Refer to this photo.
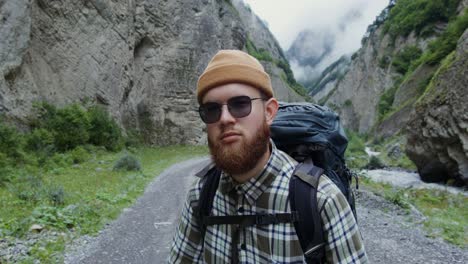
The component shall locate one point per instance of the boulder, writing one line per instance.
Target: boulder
(437, 132)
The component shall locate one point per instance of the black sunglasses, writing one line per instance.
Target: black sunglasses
(239, 106)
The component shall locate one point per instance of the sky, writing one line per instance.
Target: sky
(345, 20)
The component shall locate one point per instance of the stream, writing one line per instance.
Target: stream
(406, 179)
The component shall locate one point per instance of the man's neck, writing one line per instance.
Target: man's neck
(244, 177)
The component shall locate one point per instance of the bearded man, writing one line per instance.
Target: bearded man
(237, 105)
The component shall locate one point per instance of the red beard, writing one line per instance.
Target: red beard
(242, 157)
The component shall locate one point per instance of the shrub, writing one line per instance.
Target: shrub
(59, 160)
(375, 163)
(384, 61)
(355, 155)
(71, 127)
(133, 138)
(5, 169)
(28, 188)
(56, 195)
(386, 102)
(44, 115)
(355, 143)
(40, 140)
(348, 102)
(405, 57)
(128, 163)
(259, 54)
(79, 155)
(447, 42)
(104, 131)
(11, 142)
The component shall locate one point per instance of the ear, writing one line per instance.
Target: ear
(271, 108)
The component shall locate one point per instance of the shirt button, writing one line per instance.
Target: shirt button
(243, 247)
(241, 209)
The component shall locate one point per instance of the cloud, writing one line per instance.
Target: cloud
(287, 18)
(344, 21)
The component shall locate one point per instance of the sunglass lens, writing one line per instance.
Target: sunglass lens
(240, 106)
(210, 112)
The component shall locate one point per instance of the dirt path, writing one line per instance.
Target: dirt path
(143, 233)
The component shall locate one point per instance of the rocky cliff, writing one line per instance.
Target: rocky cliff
(357, 93)
(437, 130)
(139, 58)
(405, 80)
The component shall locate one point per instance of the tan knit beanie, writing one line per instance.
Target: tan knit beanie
(233, 66)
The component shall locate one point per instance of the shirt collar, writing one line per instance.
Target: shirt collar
(256, 186)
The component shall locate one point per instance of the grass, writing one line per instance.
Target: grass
(446, 213)
(94, 194)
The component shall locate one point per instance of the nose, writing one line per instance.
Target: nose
(226, 116)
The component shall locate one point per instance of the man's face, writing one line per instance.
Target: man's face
(237, 144)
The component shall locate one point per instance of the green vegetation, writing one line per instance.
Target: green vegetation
(66, 128)
(405, 57)
(264, 55)
(410, 58)
(42, 174)
(446, 214)
(325, 98)
(419, 16)
(391, 152)
(447, 42)
(384, 61)
(429, 92)
(375, 163)
(104, 131)
(355, 155)
(386, 101)
(441, 47)
(128, 163)
(259, 54)
(348, 103)
(54, 197)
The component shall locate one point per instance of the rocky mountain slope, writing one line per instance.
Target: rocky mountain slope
(140, 59)
(408, 64)
(437, 129)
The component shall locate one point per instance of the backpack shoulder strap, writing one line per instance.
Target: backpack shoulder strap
(303, 196)
(207, 193)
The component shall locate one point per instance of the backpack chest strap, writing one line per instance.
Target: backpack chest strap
(251, 220)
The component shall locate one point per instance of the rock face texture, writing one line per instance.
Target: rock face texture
(362, 85)
(356, 95)
(427, 105)
(438, 128)
(139, 58)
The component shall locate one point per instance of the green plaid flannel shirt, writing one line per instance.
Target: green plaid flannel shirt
(278, 243)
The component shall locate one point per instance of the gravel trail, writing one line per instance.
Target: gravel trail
(143, 232)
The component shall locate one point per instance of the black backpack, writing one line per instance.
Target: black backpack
(312, 135)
